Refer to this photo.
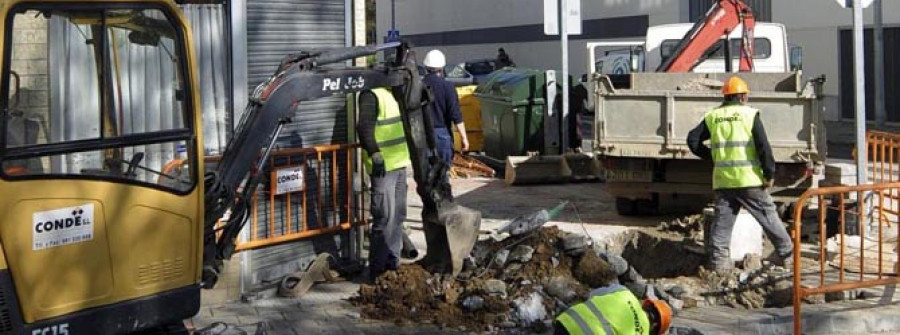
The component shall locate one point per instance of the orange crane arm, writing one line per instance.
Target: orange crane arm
(720, 20)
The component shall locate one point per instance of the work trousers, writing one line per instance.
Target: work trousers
(760, 205)
(388, 207)
(443, 141)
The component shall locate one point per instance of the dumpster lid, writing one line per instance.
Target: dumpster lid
(503, 82)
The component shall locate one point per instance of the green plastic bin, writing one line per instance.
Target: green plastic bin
(512, 110)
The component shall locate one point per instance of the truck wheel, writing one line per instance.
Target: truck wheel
(625, 206)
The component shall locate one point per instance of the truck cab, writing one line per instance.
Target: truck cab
(771, 52)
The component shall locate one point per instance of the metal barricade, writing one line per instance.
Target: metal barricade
(305, 192)
(848, 267)
(883, 154)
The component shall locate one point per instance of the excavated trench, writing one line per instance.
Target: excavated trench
(672, 263)
(659, 257)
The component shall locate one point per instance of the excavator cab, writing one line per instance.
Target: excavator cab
(95, 238)
(105, 225)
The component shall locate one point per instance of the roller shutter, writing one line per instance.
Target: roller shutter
(276, 28)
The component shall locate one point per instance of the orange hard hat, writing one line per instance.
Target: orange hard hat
(735, 85)
(663, 311)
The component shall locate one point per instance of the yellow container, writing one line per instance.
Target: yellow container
(471, 114)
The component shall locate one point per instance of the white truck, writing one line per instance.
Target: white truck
(642, 118)
(772, 53)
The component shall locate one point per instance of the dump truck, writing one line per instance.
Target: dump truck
(642, 119)
(641, 127)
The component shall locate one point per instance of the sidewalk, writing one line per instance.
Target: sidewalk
(325, 309)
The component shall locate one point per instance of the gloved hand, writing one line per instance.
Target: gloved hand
(377, 165)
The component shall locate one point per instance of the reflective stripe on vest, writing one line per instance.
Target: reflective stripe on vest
(733, 150)
(609, 310)
(389, 134)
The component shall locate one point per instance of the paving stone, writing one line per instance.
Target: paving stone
(281, 325)
(275, 310)
(200, 322)
(253, 319)
(205, 312)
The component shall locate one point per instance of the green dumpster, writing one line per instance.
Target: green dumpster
(512, 111)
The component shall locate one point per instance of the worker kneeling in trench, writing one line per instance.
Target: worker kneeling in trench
(615, 310)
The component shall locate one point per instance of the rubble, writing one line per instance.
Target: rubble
(562, 288)
(530, 310)
(617, 264)
(495, 287)
(752, 262)
(473, 303)
(523, 290)
(521, 254)
(574, 244)
(521, 282)
(500, 259)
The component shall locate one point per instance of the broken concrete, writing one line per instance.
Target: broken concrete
(537, 282)
(521, 254)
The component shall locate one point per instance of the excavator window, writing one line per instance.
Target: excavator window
(96, 93)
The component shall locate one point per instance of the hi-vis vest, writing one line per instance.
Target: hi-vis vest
(389, 133)
(733, 150)
(611, 310)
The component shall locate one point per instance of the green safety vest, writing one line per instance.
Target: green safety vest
(611, 310)
(389, 133)
(733, 150)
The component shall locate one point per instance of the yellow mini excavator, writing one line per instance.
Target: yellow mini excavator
(98, 234)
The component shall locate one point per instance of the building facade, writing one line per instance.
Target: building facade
(472, 29)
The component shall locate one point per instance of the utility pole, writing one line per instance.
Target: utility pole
(862, 161)
(878, 65)
(860, 96)
(564, 79)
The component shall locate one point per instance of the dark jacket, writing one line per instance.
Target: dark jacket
(368, 118)
(701, 133)
(445, 108)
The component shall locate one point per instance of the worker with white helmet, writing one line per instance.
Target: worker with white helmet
(445, 111)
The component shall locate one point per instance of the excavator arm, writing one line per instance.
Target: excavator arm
(721, 19)
(301, 77)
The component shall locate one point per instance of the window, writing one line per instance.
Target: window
(762, 48)
(96, 93)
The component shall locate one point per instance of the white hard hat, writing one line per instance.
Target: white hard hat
(435, 59)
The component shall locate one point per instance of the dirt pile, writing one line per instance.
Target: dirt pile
(514, 284)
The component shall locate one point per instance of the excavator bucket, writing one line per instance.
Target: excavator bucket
(536, 169)
(451, 234)
(551, 169)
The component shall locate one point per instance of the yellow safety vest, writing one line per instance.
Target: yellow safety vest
(389, 133)
(611, 310)
(733, 150)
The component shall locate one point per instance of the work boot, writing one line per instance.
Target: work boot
(785, 261)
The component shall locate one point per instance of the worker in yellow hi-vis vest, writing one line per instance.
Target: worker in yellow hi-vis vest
(386, 158)
(743, 171)
(614, 310)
